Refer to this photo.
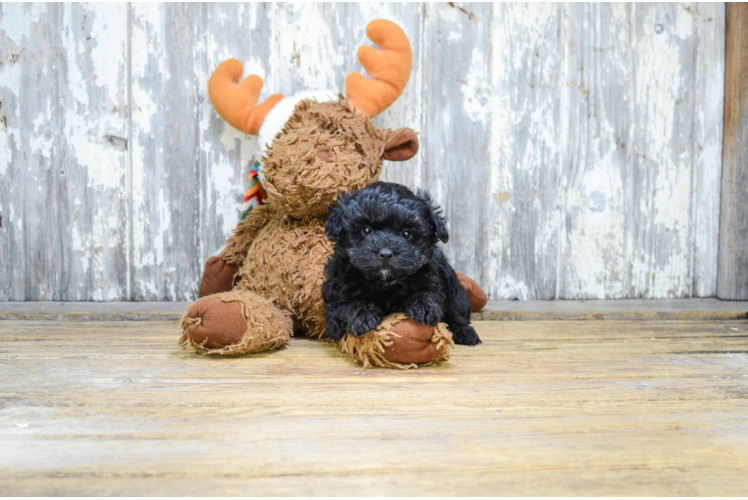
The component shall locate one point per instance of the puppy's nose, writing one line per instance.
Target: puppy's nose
(385, 253)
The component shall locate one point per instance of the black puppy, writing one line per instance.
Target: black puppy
(386, 261)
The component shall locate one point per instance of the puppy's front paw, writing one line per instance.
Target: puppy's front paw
(364, 320)
(464, 335)
(425, 311)
(334, 332)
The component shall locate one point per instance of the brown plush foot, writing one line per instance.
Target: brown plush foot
(219, 323)
(235, 322)
(219, 276)
(413, 345)
(399, 342)
(475, 293)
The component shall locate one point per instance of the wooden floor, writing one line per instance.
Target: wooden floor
(556, 407)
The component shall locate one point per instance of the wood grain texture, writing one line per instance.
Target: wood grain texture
(640, 174)
(92, 162)
(523, 207)
(456, 126)
(576, 148)
(245, 32)
(709, 78)
(540, 408)
(733, 235)
(30, 266)
(63, 143)
(165, 180)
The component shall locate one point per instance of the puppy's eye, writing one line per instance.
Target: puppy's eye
(366, 231)
(406, 234)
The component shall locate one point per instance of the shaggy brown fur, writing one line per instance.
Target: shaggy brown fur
(280, 248)
(297, 182)
(239, 242)
(396, 339)
(256, 326)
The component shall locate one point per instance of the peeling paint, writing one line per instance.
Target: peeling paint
(6, 153)
(607, 188)
(474, 92)
(21, 17)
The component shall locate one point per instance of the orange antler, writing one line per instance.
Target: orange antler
(236, 101)
(389, 69)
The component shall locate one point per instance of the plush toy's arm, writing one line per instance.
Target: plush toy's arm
(220, 271)
(239, 242)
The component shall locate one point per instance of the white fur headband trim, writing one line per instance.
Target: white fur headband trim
(277, 117)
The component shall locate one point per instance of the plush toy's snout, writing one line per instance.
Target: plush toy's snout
(325, 154)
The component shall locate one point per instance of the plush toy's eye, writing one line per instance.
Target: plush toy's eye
(407, 234)
(366, 231)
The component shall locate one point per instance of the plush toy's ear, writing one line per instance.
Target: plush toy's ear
(436, 216)
(402, 146)
(334, 224)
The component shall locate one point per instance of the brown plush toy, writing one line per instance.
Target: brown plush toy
(267, 282)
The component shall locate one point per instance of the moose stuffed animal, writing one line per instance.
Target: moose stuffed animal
(266, 283)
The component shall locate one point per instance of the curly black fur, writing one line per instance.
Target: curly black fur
(386, 261)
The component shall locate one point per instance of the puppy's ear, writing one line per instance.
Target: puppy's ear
(436, 216)
(334, 224)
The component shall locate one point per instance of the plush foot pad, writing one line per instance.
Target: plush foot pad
(399, 342)
(214, 324)
(234, 323)
(475, 293)
(219, 276)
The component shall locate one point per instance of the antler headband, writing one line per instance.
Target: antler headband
(388, 68)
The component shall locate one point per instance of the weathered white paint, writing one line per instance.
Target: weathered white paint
(634, 100)
(524, 201)
(707, 147)
(575, 148)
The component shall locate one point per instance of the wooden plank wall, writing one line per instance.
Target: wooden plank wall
(575, 148)
(733, 236)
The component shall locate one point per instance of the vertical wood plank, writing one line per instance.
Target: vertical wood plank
(732, 283)
(29, 143)
(524, 198)
(244, 32)
(597, 94)
(635, 177)
(309, 54)
(69, 100)
(661, 185)
(165, 181)
(456, 125)
(92, 159)
(14, 36)
(709, 95)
